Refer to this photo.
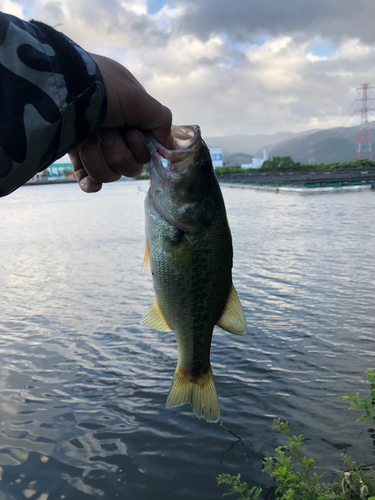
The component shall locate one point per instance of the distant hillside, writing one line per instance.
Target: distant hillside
(248, 144)
(331, 145)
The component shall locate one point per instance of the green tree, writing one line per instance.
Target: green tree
(280, 164)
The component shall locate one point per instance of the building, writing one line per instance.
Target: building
(257, 162)
(54, 171)
(216, 157)
(57, 170)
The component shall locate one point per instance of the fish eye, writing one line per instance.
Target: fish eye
(204, 168)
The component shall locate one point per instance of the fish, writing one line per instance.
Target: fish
(189, 248)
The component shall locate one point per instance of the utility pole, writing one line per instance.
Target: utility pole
(364, 143)
(311, 150)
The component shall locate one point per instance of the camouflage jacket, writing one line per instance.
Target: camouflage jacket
(52, 98)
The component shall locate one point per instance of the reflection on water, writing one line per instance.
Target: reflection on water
(83, 385)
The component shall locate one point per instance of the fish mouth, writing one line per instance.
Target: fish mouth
(176, 191)
(187, 140)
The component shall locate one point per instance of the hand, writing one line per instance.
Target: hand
(118, 147)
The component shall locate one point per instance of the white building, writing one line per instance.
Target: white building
(257, 162)
(216, 157)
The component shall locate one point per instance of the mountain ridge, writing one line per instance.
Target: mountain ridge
(336, 144)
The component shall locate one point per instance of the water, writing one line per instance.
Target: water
(83, 385)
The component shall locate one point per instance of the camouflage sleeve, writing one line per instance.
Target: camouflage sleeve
(53, 97)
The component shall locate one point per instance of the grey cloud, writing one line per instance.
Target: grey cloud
(244, 19)
(53, 10)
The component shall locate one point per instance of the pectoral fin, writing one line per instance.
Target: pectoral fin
(154, 318)
(233, 319)
(146, 260)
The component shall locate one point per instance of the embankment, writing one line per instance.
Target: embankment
(305, 181)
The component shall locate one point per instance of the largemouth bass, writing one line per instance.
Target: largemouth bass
(189, 247)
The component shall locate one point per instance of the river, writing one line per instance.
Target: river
(83, 385)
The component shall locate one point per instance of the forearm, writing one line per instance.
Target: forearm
(52, 98)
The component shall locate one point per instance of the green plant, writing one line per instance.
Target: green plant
(300, 484)
(142, 177)
(236, 486)
(355, 482)
(294, 473)
(281, 164)
(297, 479)
(367, 403)
(231, 170)
(293, 484)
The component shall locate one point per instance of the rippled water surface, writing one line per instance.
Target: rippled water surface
(83, 386)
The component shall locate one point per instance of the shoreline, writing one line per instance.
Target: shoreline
(338, 187)
(301, 189)
(57, 181)
(65, 181)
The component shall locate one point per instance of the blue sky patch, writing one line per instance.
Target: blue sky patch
(323, 48)
(153, 6)
(259, 40)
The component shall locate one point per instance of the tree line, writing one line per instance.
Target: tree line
(286, 164)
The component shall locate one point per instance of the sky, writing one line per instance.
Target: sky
(233, 66)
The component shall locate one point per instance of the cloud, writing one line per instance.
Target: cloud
(270, 88)
(243, 66)
(11, 7)
(325, 18)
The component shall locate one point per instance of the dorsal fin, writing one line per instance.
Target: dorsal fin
(154, 318)
(146, 259)
(233, 318)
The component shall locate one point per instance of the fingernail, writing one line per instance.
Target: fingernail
(89, 186)
(83, 184)
(107, 136)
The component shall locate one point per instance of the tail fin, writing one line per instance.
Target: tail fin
(201, 393)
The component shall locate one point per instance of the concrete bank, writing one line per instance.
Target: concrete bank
(300, 189)
(304, 182)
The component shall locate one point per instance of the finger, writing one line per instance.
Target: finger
(95, 163)
(119, 156)
(136, 142)
(160, 124)
(89, 186)
(85, 183)
(162, 132)
(146, 113)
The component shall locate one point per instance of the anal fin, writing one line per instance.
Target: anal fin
(233, 318)
(154, 318)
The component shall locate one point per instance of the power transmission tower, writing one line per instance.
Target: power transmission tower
(364, 143)
(311, 150)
